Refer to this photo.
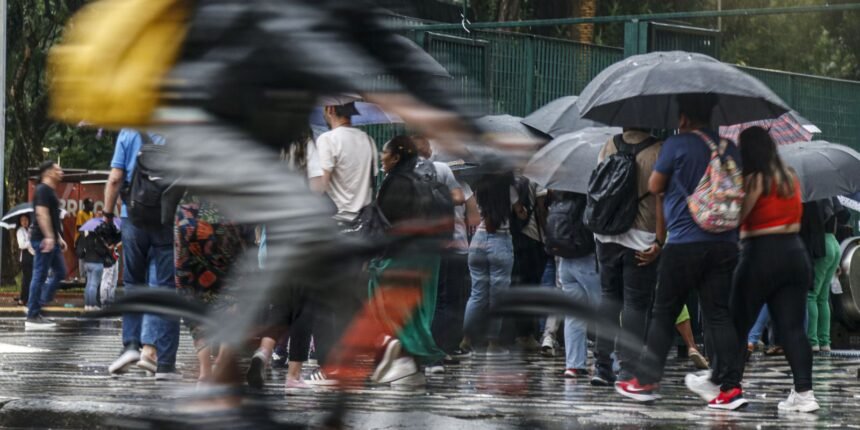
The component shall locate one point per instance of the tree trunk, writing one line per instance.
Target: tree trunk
(509, 10)
(584, 33)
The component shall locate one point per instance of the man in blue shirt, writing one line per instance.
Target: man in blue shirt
(692, 258)
(142, 248)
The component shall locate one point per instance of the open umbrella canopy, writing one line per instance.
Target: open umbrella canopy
(789, 128)
(92, 224)
(640, 91)
(368, 114)
(558, 117)
(11, 216)
(825, 169)
(566, 163)
(507, 125)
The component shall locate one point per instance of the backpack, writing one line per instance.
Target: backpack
(566, 235)
(433, 203)
(143, 196)
(613, 190)
(112, 58)
(717, 203)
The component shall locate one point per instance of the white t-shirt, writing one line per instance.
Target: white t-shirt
(461, 232)
(350, 155)
(314, 167)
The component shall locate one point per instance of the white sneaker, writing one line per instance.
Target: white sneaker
(400, 368)
(799, 402)
(392, 351)
(815, 348)
(702, 385)
(125, 360)
(547, 346)
(434, 369)
(168, 376)
(39, 323)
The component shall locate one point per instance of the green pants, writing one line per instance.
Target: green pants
(415, 336)
(818, 300)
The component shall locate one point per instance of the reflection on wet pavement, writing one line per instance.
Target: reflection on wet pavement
(70, 364)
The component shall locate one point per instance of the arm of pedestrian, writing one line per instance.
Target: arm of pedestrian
(521, 211)
(661, 220)
(325, 180)
(657, 183)
(473, 215)
(754, 186)
(114, 183)
(43, 219)
(457, 196)
(316, 185)
(63, 245)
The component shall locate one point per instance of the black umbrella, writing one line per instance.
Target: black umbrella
(640, 91)
(566, 163)
(825, 169)
(10, 219)
(558, 117)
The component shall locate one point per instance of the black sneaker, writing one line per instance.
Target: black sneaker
(279, 360)
(450, 361)
(257, 371)
(461, 353)
(602, 377)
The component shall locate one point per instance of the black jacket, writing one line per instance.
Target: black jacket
(396, 196)
(91, 248)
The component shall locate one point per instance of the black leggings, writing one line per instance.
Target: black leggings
(776, 270)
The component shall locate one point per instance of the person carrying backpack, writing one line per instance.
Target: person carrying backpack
(409, 201)
(701, 250)
(628, 269)
(149, 341)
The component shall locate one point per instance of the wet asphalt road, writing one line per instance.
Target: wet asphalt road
(69, 367)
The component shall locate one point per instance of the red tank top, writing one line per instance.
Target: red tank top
(774, 211)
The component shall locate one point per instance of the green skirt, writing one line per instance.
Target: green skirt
(415, 335)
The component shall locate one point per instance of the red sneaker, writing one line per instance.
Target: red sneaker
(633, 390)
(729, 400)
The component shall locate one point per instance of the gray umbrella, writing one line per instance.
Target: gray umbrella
(566, 163)
(558, 117)
(825, 169)
(507, 124)
(640, 91)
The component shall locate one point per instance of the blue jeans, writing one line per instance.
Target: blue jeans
(94, 281)
(758, 327)
(579, 280)
(491, 261)
(141, 249)
(42, 292)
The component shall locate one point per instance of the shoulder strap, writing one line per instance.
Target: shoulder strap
(710, 142)
(645, 144)
(620, 145)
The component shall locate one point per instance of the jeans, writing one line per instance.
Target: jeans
(627, 291)
(141, 248)
(776, 270)
(818, 300)
(451, 301)
(94, 279)
(758, 328)
(42, 289)
(580, 280)
(707, 266)
(491, 260)
(549, 325)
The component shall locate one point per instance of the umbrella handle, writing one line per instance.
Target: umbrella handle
(465, 21)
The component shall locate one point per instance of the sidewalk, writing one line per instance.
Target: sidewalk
(59, 378)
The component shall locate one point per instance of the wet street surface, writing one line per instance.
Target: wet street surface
(68, 366)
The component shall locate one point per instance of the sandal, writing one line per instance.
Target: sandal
(698, 359)
(775, 350)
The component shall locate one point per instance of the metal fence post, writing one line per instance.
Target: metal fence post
(530, 74)
(635, 38)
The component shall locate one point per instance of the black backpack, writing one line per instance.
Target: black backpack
(433, 203)
(613, 190)
(149, 182)
(565, 234)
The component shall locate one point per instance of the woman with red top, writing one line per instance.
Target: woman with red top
(774, 267)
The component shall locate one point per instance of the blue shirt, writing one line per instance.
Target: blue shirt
(125, 154)
(684, 159)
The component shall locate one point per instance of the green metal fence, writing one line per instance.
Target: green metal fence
(516, 73)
